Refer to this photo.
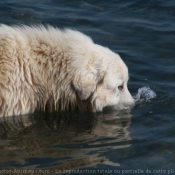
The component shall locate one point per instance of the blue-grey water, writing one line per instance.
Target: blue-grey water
(112, 142)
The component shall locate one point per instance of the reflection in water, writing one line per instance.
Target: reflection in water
(64, 140)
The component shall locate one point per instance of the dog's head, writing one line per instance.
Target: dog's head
(102, 80)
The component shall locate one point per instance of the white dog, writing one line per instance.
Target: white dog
(47, 68)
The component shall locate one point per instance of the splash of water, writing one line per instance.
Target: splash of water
(144, 94)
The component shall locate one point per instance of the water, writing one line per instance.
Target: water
(144, 94)
(137, 142)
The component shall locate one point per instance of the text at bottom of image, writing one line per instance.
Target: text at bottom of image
(87, 171)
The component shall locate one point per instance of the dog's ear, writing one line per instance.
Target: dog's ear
(85, 83)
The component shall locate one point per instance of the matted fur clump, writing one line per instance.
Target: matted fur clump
(47, 68)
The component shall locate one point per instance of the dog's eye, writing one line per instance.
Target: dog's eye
(120, 87)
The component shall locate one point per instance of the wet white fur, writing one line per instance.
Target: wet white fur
(47, 68)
